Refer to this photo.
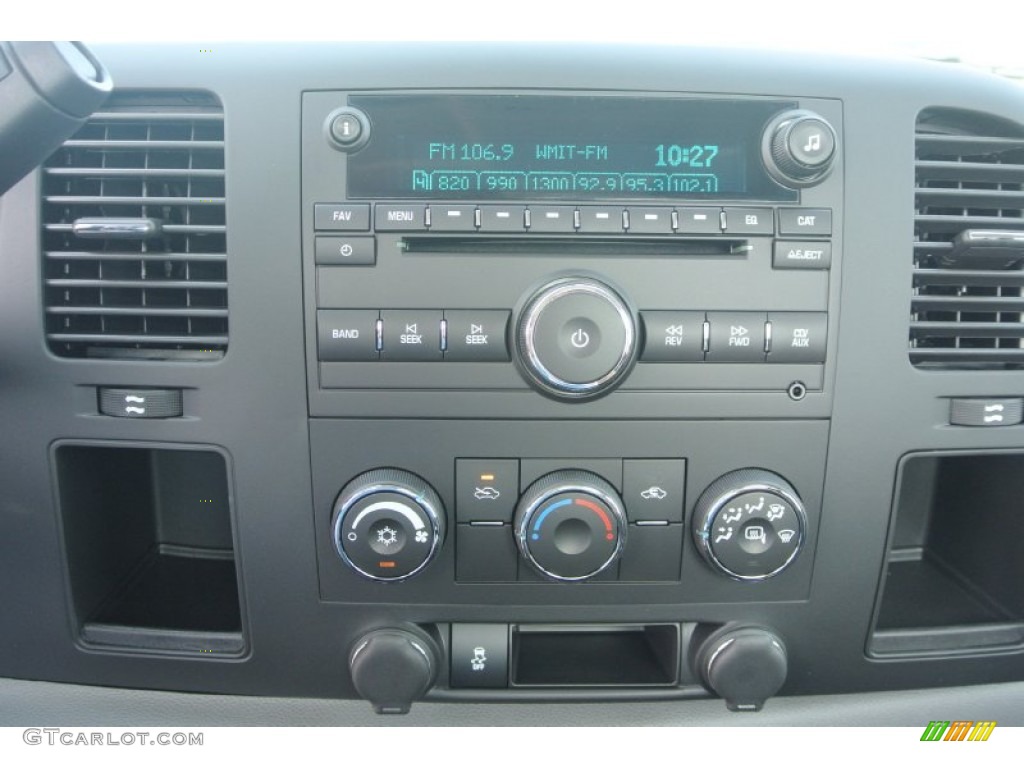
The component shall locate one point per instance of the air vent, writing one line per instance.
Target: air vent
(968, 242)
(134, 242)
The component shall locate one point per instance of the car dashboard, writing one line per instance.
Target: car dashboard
(619, 378)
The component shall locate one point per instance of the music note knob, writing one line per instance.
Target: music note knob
(799, 148)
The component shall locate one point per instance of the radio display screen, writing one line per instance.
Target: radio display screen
(477, 147)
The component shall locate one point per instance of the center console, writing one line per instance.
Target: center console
(596, 332)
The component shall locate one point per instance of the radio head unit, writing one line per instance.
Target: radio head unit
(501, 254)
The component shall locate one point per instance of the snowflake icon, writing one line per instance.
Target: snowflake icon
(387, 536)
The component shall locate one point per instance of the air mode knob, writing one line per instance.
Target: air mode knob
(388, 524)
(576, 338)
(570, 525)
(749, 524)
(799, 148)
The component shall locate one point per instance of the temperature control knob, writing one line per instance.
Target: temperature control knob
(576, 338)
(799, 148)
(388, 524)
(750, 524)
(570, 525)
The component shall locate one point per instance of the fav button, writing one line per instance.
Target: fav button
(338, 216)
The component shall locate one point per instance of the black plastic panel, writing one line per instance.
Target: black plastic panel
(293, 430)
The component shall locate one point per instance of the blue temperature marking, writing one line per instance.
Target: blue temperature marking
(546, 511)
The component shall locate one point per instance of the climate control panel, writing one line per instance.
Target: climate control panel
(569, 525)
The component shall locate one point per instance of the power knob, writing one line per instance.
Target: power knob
(576, 338)
(388, 524)
(799, 148)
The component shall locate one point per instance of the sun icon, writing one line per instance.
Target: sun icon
(387, 536)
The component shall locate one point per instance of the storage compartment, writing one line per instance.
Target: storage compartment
(954, 578)
(149, 546)
(631, 655)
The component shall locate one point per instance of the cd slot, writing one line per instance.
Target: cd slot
(577, 245)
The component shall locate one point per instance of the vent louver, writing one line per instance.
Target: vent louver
(967, 302)
(134, 241)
